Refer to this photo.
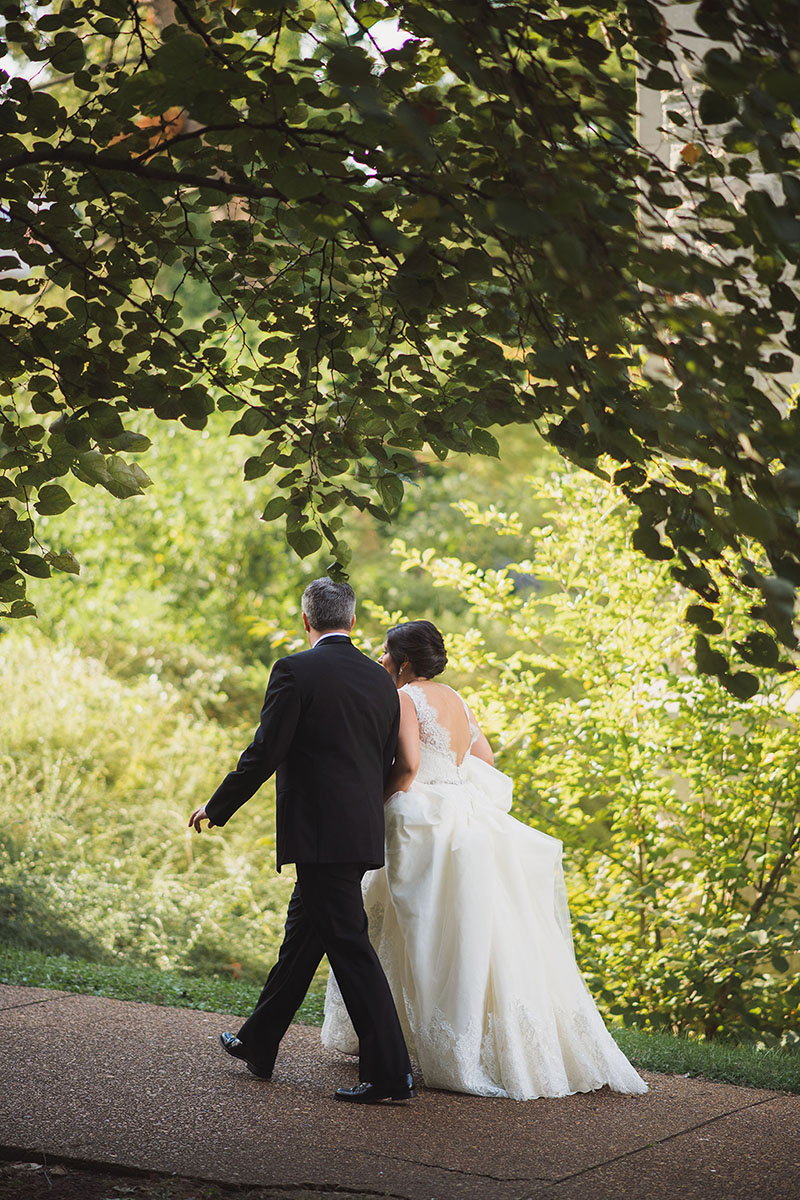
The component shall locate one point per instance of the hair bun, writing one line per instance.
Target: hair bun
(419, 642)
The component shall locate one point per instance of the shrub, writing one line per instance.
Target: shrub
(99, 776)
(678, 804)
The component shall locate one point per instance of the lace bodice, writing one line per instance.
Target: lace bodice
(438, 762)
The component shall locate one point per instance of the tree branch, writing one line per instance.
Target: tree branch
(132, 166)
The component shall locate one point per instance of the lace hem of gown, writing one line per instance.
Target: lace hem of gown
(471, 924)
(507, 1056)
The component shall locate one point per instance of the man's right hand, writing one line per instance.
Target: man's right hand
(198, 816)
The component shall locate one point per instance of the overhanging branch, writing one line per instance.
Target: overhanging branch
(131, 166)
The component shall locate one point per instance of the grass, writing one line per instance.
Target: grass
(773, 1068)
(120, 981)
(747, 1066)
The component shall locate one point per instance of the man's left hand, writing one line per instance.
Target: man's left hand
(198, 816)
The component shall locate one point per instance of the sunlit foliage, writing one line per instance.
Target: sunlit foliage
(679, 805)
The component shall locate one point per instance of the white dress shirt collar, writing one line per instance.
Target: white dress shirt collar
(335, 633)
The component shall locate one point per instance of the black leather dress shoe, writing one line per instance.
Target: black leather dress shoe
(373, 1093)
(231, 1045)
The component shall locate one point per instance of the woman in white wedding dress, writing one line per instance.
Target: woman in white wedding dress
(469, 916)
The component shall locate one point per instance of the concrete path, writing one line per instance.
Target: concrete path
(108, 1082)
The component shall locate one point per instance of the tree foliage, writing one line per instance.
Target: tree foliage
(189, 584)
(402, 242)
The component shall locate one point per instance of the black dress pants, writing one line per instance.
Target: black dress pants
(326, 917)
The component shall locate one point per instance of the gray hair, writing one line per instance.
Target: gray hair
(329, 605)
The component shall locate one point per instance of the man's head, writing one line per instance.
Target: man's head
(328, 605)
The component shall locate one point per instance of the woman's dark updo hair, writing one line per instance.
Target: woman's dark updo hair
(421, 643)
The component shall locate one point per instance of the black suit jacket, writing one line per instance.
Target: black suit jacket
(329, 729)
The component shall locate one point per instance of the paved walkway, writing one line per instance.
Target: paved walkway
(113, 1083)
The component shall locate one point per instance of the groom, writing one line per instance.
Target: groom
(329, 728)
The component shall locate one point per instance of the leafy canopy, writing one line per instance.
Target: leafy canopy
(398, 242)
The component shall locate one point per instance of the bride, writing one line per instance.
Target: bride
(469, 916)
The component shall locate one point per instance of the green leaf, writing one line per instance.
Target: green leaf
(254, 468)
(304, 540)
(53, 499)
(67, 54)
(759, 649)
(64, 561)
(104, 421)
(485, 443)
(517, 218)
(91, 468)
(21, 608)
(296, 185)
(253, 421)
(349, 65)
(9, 488)
(125, 479)
(277, 506)
(752, 519)
(33, 564)
(567, 254)
(779, 594)
(741, 684)
(709, 662)
(390, 488)
(646, 540)
(133, 443)
(337, 572)
(659, 80)
(703, 617)
(370, 11)
(698, 578)
(716, 109)
(664, 199)
(44, 404)
(12, 585)
(15, 532)
(182, 54)
(778, 608)
(633, 475)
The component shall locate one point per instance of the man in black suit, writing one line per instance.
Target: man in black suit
(329, 728)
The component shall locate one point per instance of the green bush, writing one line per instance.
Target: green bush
(99, 777)
(679, 805)
(186, 564)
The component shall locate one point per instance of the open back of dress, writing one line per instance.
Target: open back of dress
(446, 727)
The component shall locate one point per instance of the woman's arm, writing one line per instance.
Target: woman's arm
(406, 759)
(480, 747)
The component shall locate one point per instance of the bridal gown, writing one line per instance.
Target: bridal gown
(470, 921)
